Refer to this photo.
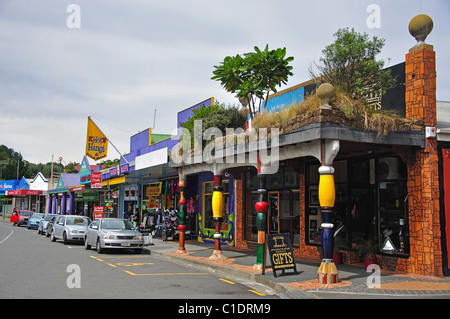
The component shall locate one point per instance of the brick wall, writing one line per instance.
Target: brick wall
(423, 180)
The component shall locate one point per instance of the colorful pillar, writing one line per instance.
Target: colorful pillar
(63, 204)
(55, 203)
(262, 206)
(181, 215)
(70, 203)
(217, 208)
(327, 273)
(49, 204)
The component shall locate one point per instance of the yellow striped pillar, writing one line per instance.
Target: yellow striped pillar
(217, 208)
(327, 273)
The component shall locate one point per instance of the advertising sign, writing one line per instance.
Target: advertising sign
(96, 180)
(96, 142)
(281, 253)
(98, 212)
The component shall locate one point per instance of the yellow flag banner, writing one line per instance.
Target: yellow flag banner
(96, 142)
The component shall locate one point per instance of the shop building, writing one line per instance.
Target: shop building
(385, 188)
(28, 194)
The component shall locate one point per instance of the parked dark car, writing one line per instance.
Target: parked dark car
(42, 228)
(49, 227)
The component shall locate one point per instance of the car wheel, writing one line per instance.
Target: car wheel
(52, 236)
(98, 247)
(86, 245)
(65, 238)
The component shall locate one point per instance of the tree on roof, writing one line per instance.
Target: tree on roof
(350, 64)
(254, 75)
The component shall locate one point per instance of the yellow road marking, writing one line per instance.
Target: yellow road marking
(255, 292)
(167, 274)
(230, 282)
(130, 264)
(112, 265)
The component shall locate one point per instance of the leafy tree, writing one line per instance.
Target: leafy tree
(254, 75)
(216, 116)
(350, 64)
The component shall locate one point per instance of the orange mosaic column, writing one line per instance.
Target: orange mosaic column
(423, 181)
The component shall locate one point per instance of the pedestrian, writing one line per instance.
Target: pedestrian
(137, 218)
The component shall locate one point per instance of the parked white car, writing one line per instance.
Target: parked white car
(69, 228)
(113, 233)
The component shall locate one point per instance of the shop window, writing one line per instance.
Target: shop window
(208, 222)
(284, 204)
(371, 203)
(393, 210)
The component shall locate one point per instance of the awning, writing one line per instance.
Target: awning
(114, 181)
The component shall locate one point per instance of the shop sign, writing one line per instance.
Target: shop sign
(98, 212)
(124, 168)
(96, 180)
(84, 179)
(109, 205)
(113, 172)
(280, 252)
(77, 188)
(87, 197)
(153, 190)
(23, 192)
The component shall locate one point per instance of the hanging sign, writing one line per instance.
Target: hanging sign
(96, 142)
(280, 252)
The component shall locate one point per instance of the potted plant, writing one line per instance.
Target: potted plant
(368, 249)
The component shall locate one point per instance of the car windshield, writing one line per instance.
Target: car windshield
(37, 215)
(25, 213)
(48, 217)
(116, 224)
(79, 221)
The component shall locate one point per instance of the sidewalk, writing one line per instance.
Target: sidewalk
(354, 281)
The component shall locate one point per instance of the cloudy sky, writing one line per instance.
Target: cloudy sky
(130, 57)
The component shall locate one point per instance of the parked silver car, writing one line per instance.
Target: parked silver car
(113, 233)
(69, 228)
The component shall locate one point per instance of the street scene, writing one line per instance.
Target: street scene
(79, 273)
(228, 157)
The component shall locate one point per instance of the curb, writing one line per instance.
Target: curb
(226, 271)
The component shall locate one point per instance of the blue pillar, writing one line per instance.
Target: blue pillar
(55, 203)
(71, 203)
(63, 204)
(49, 209)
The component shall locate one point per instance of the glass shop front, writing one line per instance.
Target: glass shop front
(371, 203)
